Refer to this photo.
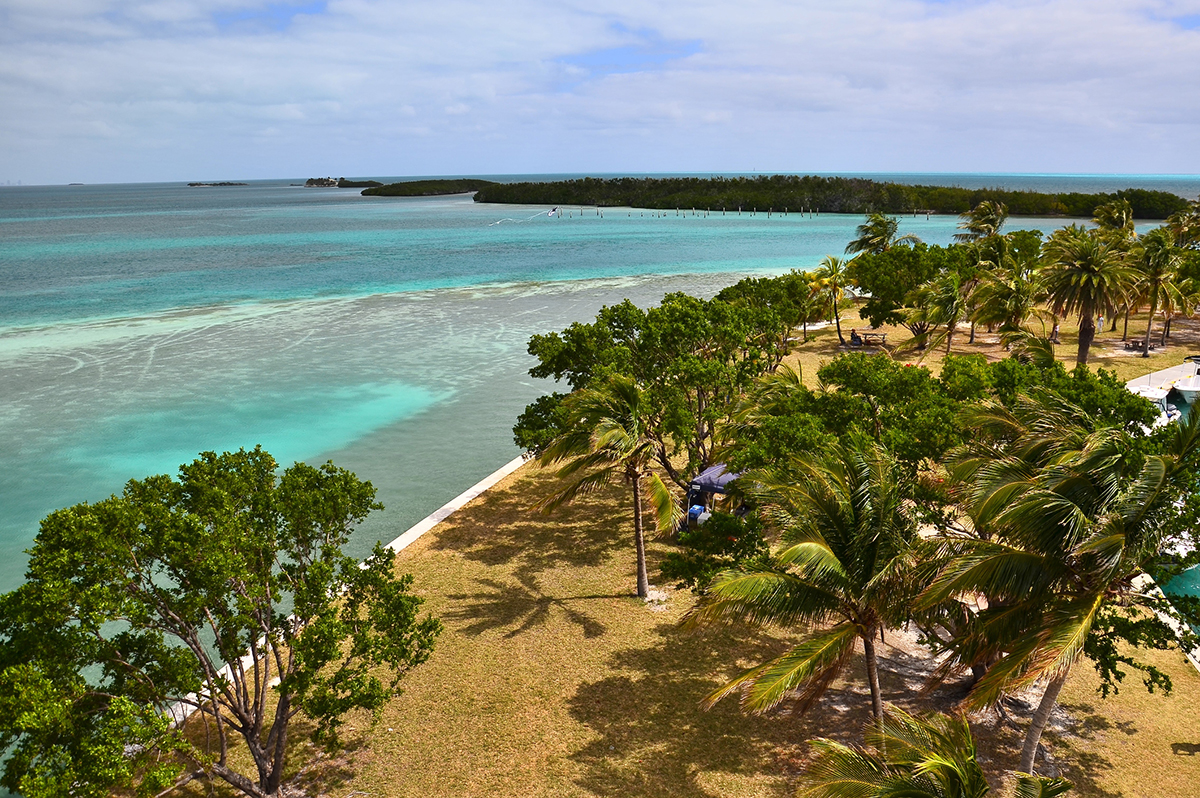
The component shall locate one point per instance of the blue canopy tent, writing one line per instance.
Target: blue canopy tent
(712, 481)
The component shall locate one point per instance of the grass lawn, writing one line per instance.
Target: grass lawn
(552, 679)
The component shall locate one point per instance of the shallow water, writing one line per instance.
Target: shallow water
(140, 325)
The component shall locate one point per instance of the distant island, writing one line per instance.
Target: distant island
(796, 193)
(429, 188)
(209, 185)
(341, 182)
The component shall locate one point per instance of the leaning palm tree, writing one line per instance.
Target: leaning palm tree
(938, 303)
(878, 234)
(1085, 274)
(981, 222)
(1115, 218)
(607, 438)
(832, 279)
(1157, 261)
(1073, 515)
(911, 757)
(1185, 226)
(847, 534)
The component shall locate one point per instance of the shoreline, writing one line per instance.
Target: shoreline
(414, 532)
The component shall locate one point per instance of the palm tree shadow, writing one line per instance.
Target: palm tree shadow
(518, 607)
(503, 528)
(653, 738)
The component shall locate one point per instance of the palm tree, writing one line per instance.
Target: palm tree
(1185, 226)
(847, 533)
(1086, 274)
(878, 234)
(982, 221)
(913, 757)
(1116, 218)
(1070, 516)
(940, 302)
(1009, 293)
(1157, 261)
(832, 278)
(607, 437)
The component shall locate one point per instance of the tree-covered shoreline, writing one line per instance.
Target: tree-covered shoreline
(810, 192)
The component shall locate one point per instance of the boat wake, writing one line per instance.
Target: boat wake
(523, 221)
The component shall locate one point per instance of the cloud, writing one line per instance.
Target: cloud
(99, 90)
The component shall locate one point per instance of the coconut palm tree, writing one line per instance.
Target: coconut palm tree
(1116, 218)
(1009, 293)
(982, 221)
(832, 279)
(940, 302)
(1157, 261)
(1185, 226)
(1085, 274)
(910, 756)
(878, 234)
(607, 438)
(847, 534)
(1072, 516)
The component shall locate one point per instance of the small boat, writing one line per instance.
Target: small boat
(1167, 412)
(1189, 387)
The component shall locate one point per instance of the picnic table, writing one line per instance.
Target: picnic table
(868, 339)
(1138, 346)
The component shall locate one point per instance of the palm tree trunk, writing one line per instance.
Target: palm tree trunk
(873, 674)
(1150, 324)
(1038, 724)
(1087, 333)
(837, 321)
(643, 581)
(1125, 332)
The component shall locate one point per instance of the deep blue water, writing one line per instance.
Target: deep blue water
(141, 324)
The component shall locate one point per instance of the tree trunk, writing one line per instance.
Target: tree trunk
(949, 336)
(643, 581)
(873, 674)
(971, 340)
(1150, 324)
(1087, 333)
(1125, 332)
(837, 321)
(1038, 724)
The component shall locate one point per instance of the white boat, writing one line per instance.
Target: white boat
(1158, 397)
(1189, 387)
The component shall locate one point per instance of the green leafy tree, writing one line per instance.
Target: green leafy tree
(878, 234)
(223, 596)
(606, 439)
(889, 277)
(1115, 217)
(1088, 275)
(1068, 516)
(847, 531)
(913, 757)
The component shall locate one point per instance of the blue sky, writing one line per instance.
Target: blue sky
(144, 90)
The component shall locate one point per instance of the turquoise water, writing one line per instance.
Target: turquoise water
(142, 324)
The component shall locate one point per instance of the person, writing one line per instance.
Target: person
(855, 338)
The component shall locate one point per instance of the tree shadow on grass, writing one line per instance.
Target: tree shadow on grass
(653, 738)
(519, 606)
(503, 528)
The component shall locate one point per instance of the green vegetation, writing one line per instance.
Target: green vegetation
(828, 194)
(132, 606)
(428, 188)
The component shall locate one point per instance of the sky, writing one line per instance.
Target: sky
(160, 90)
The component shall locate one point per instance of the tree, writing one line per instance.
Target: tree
(1069, 514)
(1085, 274)
(832, 279)
(939, 302)
(1157, 260)
(910, 756)
(1010, 291)
(847, 530)
(981, 222)
(607, 438)
(878, 234)
(888, 278)
(1115, 217)
(222, 595)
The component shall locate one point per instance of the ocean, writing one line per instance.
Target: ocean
(142, 324)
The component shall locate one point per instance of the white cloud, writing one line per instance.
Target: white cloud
(89, 86)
